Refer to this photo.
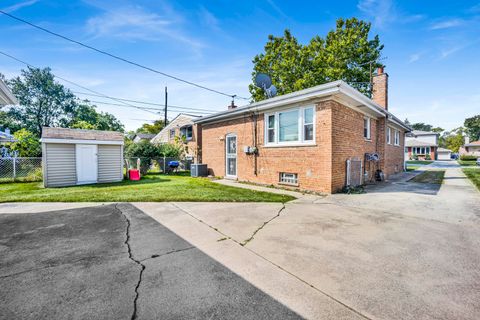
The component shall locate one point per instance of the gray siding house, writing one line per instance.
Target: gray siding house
(74, 157)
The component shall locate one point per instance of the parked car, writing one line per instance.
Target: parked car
(454, 156)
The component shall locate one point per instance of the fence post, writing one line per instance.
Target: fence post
(14, 168)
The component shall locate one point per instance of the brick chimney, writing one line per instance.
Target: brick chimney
(232, 106)
(380, 88)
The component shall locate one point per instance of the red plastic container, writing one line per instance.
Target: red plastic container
(134, 174)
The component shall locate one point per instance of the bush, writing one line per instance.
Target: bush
(427, 157)
(466, 157)
(147, 152)
(415, 157)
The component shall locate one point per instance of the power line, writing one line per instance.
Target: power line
(146, 103)
(77, 85)
(233, 96)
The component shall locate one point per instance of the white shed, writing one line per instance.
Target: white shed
(444, 154)
(74, 156)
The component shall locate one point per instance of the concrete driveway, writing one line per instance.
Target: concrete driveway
(401, 251)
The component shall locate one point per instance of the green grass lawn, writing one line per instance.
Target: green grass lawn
(419, 162)
(412, 168)
(474, 175)
(469, 163)
(156, 187)
(431, 176)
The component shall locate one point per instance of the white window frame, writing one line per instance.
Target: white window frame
(282, 178)
(397, 137)
(389, 135)
(185, 128)
(301, 128)
(369, 128)
(170, 136)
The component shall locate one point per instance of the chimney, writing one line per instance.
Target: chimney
(380, 88)
(232, 106)
(467, 139)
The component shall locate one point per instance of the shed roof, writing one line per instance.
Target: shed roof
(145, 135)
(473, 144)
(80, 134)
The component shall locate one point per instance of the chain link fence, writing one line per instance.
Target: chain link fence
(156, 165)
(20, 169)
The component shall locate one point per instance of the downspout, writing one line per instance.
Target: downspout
(255, 154)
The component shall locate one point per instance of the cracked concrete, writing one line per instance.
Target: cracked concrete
(245, 242)
(88, 267)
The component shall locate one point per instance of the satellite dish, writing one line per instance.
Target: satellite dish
(272, 91)
(263, 81)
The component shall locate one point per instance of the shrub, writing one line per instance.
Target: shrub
(466, 157)
(427, 157)
(415, 157)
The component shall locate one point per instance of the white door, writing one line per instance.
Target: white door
(86, 155)
(231, 156)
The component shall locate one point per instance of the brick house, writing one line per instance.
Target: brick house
(304, 139)
(422, 145)
(470, 148)
(182, 128)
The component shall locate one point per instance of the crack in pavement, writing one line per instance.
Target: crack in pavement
(245, 242)
(130, 256)
(153, 256)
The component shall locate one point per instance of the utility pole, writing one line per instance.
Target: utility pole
(166, 101)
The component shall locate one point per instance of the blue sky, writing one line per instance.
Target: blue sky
(432, 48)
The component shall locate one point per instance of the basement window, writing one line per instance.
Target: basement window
(289, 178)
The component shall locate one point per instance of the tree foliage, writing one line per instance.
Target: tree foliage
(472, 127)
(344, 54)
(27, 144)
(155, 128)
(148, 150)
(426, 127)
(43, 102)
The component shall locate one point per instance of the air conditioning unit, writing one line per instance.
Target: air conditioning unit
(198, 170)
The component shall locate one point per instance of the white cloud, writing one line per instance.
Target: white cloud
(384, 12)
(277, 9)
(20, 5)
(414, 57)
(135, 23)
(445, 24)
(209, 19)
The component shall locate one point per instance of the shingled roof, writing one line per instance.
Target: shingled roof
(80, 134)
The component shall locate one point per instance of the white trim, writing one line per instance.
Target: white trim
(396, 133)
(231, 135)
(389, 135)
(77, 164)
(301, 126)
(78, 141)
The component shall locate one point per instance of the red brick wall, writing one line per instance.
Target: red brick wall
(348, 141)
(395, 155)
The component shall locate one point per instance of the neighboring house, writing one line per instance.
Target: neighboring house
(143, 137)
(6, 96)
(5, 136)
(304, 139)
(75, 156)
(470, 148)
(420, 144)
(182, 129)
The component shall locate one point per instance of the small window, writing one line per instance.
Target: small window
(172, 133)
(397, 137)
(289, 178)
(308, 124)
(389, 136)
(366, 128)
(271, 128)
(187, 132)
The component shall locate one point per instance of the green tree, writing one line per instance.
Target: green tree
(454, 141)
(155, 128)
(426, 127)
(85, 116)
(344, 54)
(43, 101)
(472, 127)
(27, 144)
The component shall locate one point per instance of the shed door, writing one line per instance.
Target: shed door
(86, 155)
